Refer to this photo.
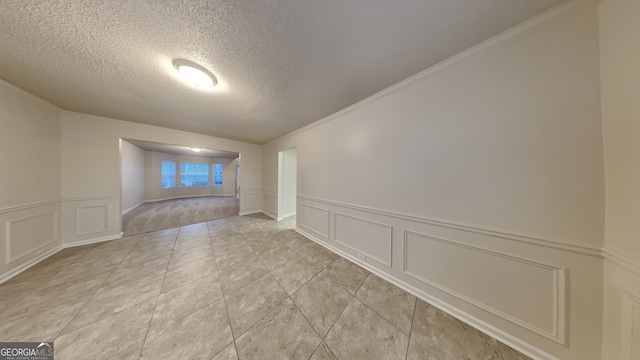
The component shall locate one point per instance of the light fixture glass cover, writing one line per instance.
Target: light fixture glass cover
(195, 149)
(194, 73)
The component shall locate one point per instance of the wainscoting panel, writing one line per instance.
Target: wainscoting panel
(250, 201)
(89, 219)
(367, 237)
(631, 327)
(314, 219)
(92, 219)
(270, 203)
(29, 234)
(534, 298)
(527, 292)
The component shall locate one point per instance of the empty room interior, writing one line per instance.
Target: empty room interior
(446, 179)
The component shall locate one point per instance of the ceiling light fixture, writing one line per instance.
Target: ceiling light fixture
(194, 73)
(195, 149)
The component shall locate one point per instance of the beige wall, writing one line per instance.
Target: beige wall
(487, 165)
(90, 177)
(620, 78)
(132, 175)
(30, 187)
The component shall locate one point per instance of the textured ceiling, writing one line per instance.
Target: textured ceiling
(181, 150)
(281, 64)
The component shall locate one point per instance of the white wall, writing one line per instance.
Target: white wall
(30, 181)
(90, 176)
(153, 184)
(477, 184)
(132, 175)
(288, 183)
(620, 77)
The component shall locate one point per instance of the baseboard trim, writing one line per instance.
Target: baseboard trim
(92, 241)
(270, 214)
(8, 275)
(243, 213)
(132, 208)
(185, 197)
(480, 325)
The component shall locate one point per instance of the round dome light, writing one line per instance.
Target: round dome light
(194, 73)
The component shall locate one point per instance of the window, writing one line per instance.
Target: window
(217, 174)
(168, 174)
(194, 174)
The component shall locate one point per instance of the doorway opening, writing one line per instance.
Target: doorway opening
(287, 182)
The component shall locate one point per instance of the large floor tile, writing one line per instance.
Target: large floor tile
(321, 301)
(182, 275)
(447, 337)
(511, 354)
(44, 325)
(251, 303)
(240, 275)
(294, 273)
(319, 257)
(128, 274)
(391, 302)
(360, 333)
(189, 255)
(282, 334)
(113, 300)
(277, 256)
(228, 353)
(183, 301)
(323, 353)
(200, 335)
(347, 274)
(107, 337)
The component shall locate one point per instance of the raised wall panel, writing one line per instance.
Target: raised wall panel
(367, 237)
(314, 219)
(92, 219)
(28, 234)
(251, 200)
(270, 202)
(630, 327)
(529, 294)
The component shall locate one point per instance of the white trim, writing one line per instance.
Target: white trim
(16, 271)
(537, 22)
(89, 198)
(558, 334)
(184, 197)
(132, 208)
(387, 262)
(621, 260)
(9, 258)
(92, 241)
(480, 325)
(268, 213)
(253, 212)
(553, 244)
(286, 216)
(26, 206)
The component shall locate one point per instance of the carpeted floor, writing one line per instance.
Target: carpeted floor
(167, 214)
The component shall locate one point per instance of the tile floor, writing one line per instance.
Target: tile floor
(236, 288)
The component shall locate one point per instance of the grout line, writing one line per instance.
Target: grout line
(94, 293)
(413, 318)
(144, 339)
(224, 296)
